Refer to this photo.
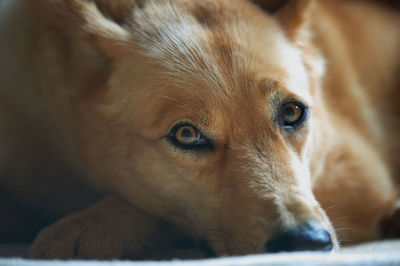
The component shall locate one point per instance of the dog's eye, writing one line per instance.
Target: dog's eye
(187, 136)
(292, 114)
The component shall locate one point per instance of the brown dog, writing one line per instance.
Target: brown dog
(212, 119)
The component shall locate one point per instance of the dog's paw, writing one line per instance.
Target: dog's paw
(80, 237)
(110, 229)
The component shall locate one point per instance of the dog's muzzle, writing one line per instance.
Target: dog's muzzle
(309, 236)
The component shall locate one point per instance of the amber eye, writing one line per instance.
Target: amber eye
(292, 114)
(187, 136)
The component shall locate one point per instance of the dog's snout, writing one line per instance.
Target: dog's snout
(309, 236)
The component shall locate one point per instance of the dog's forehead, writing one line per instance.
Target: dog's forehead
(224, 45)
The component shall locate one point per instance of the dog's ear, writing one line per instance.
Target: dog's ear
(270, 6)
(293, 15)
(78, 41)
(295, 18)
(98, 23)
(102, 21)
(119, 11)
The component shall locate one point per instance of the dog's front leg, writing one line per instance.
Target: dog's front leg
(110, 229)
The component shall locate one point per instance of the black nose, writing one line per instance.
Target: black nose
(309, 236)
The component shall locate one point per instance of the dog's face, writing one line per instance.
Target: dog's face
(207, 118)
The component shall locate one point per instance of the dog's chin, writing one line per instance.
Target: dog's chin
(310, 236)
(227, 247)
(202, 248)
(206, 249)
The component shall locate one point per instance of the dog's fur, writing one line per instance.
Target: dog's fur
(90, 89)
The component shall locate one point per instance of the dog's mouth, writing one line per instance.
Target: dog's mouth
(308, 236)
(186, 248)
(201, 247)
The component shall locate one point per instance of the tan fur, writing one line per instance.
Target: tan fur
(90, 90)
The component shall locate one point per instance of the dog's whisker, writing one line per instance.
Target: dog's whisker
(342, 229)
(331, 207)
(169, 98)
(345, 241)
(342, 218)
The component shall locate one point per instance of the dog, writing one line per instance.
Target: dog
(138, 124)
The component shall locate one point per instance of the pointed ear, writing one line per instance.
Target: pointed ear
(119, 11)
(295, 18)
(103, 22)
(270, 6)
(97, 23)
(77, 42)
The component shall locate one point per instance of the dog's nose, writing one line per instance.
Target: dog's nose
(309, 236)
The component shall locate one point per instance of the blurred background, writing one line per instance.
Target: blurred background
(273, 5)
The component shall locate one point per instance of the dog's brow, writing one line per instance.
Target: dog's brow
(268, 85)
(202, 118)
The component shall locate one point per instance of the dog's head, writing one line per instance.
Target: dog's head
(205, 113)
